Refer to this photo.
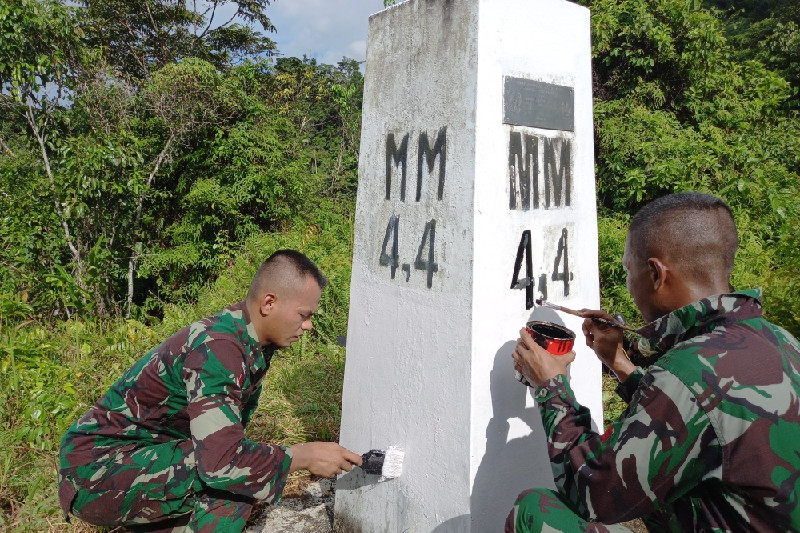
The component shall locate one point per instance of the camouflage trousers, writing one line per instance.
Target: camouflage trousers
(544, 510)
(150, 488)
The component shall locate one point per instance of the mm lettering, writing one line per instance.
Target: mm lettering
(531, 186)
(427, 155)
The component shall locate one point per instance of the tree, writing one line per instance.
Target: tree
(319, 97)
(138, 37)
(677, 109)
(290, 143)
(99, 143)
(40, 54)
(767, 31)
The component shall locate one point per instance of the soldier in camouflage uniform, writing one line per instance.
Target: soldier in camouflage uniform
(710, 440)
(165, 448)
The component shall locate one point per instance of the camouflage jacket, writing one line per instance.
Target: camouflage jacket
(710, 440)
(203, 384)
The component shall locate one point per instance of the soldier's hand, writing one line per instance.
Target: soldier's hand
(537, 364)
(606, 341)
(324, 459)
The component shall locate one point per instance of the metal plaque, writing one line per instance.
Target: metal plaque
(538, 105)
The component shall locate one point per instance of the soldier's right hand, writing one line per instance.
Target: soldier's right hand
(606, 341)
(324, 459)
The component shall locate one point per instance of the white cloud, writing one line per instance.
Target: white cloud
(358, 48)
(326, 30)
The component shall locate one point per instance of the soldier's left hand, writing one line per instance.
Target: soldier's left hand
(537, 364)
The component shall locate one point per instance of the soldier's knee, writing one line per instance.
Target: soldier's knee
(536, 508)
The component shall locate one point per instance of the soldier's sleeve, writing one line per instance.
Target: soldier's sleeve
(226, 460)
(660, 447)
(625, 389)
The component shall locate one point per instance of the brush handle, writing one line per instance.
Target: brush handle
(598, 320)
(614, 324)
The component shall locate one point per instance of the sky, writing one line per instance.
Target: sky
(326, 30)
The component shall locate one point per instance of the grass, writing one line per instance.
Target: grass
(613, 405)
(302, 397)
(50, 373)
(301, 401)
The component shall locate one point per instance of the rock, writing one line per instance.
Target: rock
(284, 519)
(312, 511)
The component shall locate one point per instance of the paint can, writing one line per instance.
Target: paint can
(554, 338)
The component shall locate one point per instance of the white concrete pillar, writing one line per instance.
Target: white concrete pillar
(476, 171)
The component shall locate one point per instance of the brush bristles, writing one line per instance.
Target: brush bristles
(392, 464)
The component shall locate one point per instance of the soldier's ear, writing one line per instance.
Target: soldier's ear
(658, 272)
(267, 305)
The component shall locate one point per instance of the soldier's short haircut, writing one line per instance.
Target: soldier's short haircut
(282, 269)
(695, 230)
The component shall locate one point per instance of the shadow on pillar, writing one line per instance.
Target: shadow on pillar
(456, 524)
(509, 466)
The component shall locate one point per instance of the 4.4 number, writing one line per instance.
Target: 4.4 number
(560, 268)
(424, 261)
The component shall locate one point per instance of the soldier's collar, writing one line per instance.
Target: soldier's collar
(697, 318)
(251, 329)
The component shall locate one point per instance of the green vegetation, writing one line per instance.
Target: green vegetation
(51, 374)
(146, 172)
(677, 108)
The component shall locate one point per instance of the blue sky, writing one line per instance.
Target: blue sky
(325, 30)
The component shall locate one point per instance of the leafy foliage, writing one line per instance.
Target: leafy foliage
(49, 375)
(139, 37)
(193, 158)
(676, 109)
(285, 144)
(767, 31)
(38, 44)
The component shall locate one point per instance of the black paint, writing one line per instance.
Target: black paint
(528, 282)
(523, 171)
(559, 178)
(390, 255)
(396, 156)
(563, 252)
(428, 265)
(523, 165)
(542, 287)
(429, 155)
(426, 158)
(538, 105)
(551, 330)
(524, 249)
(392, 260)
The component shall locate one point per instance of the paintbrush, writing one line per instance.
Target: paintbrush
(386, 463)
(599, 320)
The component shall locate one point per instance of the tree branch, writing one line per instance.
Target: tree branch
(5, 147)
(162, 156)
(76, 256)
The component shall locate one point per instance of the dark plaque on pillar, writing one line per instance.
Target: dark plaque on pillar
(538, 105)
